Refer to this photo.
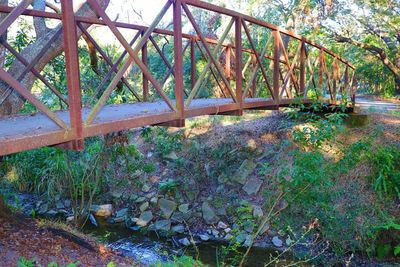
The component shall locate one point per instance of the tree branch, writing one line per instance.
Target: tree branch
(377, 51)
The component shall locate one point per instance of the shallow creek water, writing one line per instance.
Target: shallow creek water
(150, 248)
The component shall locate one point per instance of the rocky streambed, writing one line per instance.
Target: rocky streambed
(150, 238)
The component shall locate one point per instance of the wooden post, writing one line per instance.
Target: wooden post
(192, 62)
(239, 63)
(335, 79)
(302, 68)
(276, 68)
(144, 78)
(72, 71)
(354, 88)
(321, 70)
(178, 57)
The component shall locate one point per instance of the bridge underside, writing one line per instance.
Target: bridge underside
(24, 132)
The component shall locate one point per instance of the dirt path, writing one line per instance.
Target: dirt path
(372, 104)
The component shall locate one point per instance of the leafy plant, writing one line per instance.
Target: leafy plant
(386, 179)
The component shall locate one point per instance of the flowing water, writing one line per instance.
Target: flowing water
(150, 248)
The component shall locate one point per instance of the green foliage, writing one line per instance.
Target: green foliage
(22, 262)
(388, 239)
(319, 132)
(182, 261)
(386, 179)
(164, 142)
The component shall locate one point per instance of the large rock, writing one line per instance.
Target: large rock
(121, 213)
(257, 211)
(184, 208)
(163, 225)
(144, 218)
(167, 207)
(208, 213)
(252, 186)
(244, 171)
(102, 210)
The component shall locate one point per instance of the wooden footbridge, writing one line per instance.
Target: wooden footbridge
(242, 71)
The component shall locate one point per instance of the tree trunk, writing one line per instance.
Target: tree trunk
(397, 82)
(14, 102)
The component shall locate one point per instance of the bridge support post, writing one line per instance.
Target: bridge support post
(354, 88)
(239, 64)
(276, 74)
(144, 78)
(178, 58)
(302, 68)
(72, 71)
(192, 62)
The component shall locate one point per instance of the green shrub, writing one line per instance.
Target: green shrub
(386, 164)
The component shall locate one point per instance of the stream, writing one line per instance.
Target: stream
(150, 248)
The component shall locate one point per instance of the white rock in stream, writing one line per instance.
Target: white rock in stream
(102, 210)
(277, 242)
(184, 241)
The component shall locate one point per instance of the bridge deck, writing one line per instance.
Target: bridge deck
(23, 132)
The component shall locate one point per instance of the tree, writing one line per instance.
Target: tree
(12, 103)
(374, 26)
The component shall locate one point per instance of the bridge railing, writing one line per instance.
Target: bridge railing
(243, 70)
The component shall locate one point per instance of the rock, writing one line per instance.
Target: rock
(154, 179)
(149, 155)
(92, 220)
(245, 169)
(222, 225)
(163, 225)
(121, 213)
(116, 195)
(204, 237)
(144, 206)
(133, 197)
(67, 203)
(167, 207)
(180, 229)
(228, 230)
(215, 233)
(146, 188)
(252, 186)
(59, 205)
(102, 210)
(144, 218)
(150, 195)
(240, 238)
(288, 241)
(277, 242)
(247, 241)
(43, 209)
(208, 213)
(183, 208)
(140, 200)
(184, 241)
(220, 189)
(135, 228)
(154, 200)
(248, 227)
(51, 213)
(70, 219)
(272, 232)
(257, 211)
(171, 156)
(221, 211)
